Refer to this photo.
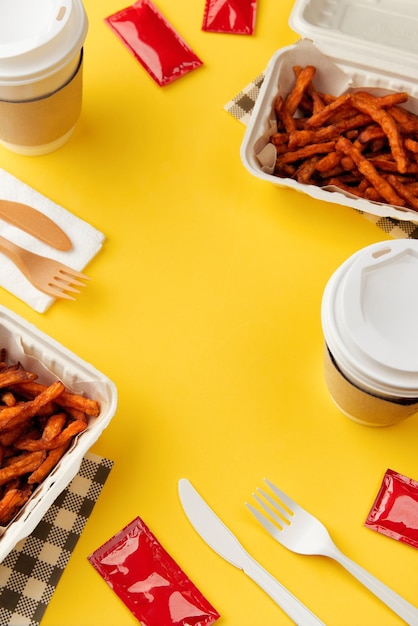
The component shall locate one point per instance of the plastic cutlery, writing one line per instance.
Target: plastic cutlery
(301, 532)
(214, 532)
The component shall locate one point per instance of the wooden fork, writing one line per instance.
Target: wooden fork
(47, 275)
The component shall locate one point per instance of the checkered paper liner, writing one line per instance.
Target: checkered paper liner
(30, 573)
(241, 107)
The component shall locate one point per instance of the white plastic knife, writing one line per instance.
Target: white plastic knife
(214, 532)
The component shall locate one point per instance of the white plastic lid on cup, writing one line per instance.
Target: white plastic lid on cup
(39, 38)
(370, 318)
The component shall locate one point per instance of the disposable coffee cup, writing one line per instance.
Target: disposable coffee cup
(369, 317)
(41, 62)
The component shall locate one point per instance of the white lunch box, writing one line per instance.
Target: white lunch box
(40, 354)
(354, 44)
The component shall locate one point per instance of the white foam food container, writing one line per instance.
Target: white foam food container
(364, 44)
(41, 354)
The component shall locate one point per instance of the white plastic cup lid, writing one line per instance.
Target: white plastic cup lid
(370, 318)
(38, 38)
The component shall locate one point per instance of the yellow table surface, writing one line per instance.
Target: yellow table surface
(204, 309)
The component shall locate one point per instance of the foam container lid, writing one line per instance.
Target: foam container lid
(370, 317)
(355, 27)
(41, 354)
(355, 44)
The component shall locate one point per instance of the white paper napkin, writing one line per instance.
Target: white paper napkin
(86, 240)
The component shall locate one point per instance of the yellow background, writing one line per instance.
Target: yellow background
(204, 309)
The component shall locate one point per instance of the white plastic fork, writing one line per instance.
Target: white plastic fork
(301, 532)
(47, 275)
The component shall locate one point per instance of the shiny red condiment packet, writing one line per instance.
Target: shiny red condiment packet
(395, 510)
(147, 579)
(230, 16)
(153, 42)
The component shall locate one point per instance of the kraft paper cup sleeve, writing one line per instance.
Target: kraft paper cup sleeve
(43, 120)
(360, 405)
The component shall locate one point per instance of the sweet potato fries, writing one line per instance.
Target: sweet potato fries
(362, 144)
(38, 424)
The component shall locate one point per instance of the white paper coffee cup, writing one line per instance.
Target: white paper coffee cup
(41, 60)
(370, 323)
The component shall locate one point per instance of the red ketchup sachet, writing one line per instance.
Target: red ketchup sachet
(153, 42)
(395, 510)
(148, 580)
(236, 17)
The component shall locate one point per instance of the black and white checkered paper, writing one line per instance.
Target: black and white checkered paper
(30, 573)
(241, 107)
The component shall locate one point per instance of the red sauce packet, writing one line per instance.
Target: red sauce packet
(395, 510)
(230, 16)
(153, 42)
(147, 579)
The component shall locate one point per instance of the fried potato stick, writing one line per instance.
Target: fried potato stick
(13, 499)
(403, 192)
(306, 170)
(407, 121)
(367, 104)
(12, 376)
(48, 464)
(371, 133)
(278, 139)
(314, 95)
(387, 101)
(8, 398)
(371, 194)
(307, 151)
(347, 164)
(411, 145)
(65, 399)
(75, 414)
(344, 103)
(8, 437)
(329, 162)
(320, 118)
(300, 138)
(284, 118)
(21, 465)
(355, 191)
(387, 164)
(73, 429)
(12, 415)
(383, 188)
(413, 187)
(54, 426)
(304, 77)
